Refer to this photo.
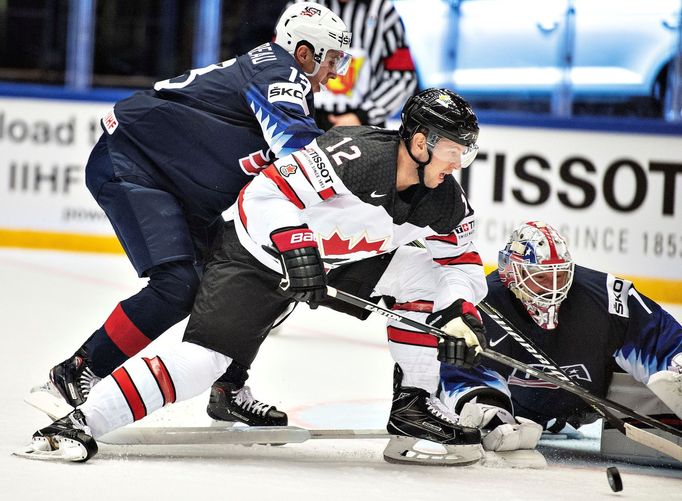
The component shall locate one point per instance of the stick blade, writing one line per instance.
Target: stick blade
(653, 441)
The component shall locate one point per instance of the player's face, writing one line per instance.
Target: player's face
(331, 67)
(446, 158)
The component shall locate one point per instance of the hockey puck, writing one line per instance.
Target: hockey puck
(615, 481)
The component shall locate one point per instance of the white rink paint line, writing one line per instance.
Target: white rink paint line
(326, 370)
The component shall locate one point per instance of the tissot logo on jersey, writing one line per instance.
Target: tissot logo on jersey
(465, 230)
(315, 163)
(287, 92)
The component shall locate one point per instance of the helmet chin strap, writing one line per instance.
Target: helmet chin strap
(420, 165)
(316, 70)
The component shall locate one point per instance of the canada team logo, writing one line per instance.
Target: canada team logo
(337, 244)
(288, 169)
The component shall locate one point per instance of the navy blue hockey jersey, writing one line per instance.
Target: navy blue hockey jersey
(603, 323)
(203, 135)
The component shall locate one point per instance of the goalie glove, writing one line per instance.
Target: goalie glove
(304, 277)
(466, 334)
(504, 431)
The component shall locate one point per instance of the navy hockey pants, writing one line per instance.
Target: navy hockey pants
(161, 245)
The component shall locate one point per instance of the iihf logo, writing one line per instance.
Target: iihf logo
(287, 170)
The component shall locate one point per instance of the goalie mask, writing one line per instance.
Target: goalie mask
(440, 113)
(320, 29)
(537, 268)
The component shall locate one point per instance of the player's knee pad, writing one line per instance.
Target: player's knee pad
(176, 283)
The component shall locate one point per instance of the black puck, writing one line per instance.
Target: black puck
(615, 481)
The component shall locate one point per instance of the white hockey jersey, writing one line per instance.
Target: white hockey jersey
(343, 186)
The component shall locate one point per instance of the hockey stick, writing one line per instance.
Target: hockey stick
(659, 443)
(627, 429)
(214, 435)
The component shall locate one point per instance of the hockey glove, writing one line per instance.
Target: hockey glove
(504, 431)
(466, 334)
(304, 277)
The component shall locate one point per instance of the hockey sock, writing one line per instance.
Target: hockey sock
(138, 320)
(415, 352)
(236, 374)
(143, 385)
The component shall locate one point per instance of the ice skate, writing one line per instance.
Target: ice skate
(67, 439)
(425, 431)
(232, 404)
(74, 379)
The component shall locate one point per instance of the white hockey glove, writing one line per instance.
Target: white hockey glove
(506, 432)
(466, 334)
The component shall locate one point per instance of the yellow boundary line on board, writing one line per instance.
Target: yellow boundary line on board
(658, 289)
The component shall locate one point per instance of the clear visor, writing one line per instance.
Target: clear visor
(544, 285)
(338, 61)
(451, 152)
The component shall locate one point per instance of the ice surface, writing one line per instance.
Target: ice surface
(324, 369)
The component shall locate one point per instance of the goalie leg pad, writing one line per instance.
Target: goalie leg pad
(412, 450)
(667, 385)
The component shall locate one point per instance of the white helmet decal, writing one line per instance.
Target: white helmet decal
(317, 26)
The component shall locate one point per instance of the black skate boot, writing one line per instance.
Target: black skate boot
(426, 432)
(67, 439)
(229, 403)
(73, 378)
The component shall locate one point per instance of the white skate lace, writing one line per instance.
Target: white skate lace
(79, 423)
(245, 400)
(87, 380)
(439, 409)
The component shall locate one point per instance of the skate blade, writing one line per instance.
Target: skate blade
(47, 399)
(522, 458)
(68, 451)
(411, 450)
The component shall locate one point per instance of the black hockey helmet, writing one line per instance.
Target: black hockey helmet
(441, 113)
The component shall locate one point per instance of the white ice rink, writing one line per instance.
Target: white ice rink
(324, 369)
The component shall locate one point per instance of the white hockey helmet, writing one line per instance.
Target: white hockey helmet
(318, 27)
(538, 269)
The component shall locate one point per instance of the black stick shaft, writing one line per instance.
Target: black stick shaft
(505, 324)
(508, 361)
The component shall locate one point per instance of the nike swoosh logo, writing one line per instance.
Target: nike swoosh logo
(497, 341)
(374, 195)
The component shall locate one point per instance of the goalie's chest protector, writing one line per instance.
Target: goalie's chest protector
(367, 216)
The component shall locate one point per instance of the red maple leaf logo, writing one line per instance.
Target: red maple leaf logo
(336, 244)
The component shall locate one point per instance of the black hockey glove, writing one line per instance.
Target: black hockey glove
(304, 277)
(466, 334)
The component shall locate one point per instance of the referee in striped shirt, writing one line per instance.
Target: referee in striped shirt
(382, 74)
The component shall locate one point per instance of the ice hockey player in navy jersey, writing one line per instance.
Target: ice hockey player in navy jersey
(593, 325)
(352, 195)
(173, 158)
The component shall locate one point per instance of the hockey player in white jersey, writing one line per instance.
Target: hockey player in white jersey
(350, 195)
